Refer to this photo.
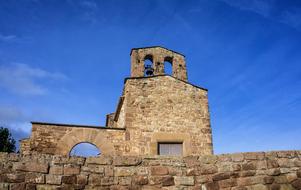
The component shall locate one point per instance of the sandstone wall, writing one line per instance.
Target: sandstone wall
(164, 109)
(244, 171)
(60, 139)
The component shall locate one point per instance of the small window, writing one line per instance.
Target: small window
(170, 148)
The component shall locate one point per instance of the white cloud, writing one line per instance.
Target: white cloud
(25, 80)
(268, 9)
(7, 38)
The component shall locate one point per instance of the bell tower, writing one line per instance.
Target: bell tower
(157, 55)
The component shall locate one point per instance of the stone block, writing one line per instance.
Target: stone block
(36, 178)
(124, 180)
(159, 170)
(124, 171)
(14, 178)
(31, 167)
(248, 166)
(183, 180)
(101, 160)
(82, 179)
(168, 181)
(227, 183)
(53, 179)
(238, 157)
(92, 168)
(297, 183)
(140, 180)
(127, 161)
(210, 186)
(56, 170)
(71, 169)
(69, 179)
(208, 169)
(47, 187)
(4, 186)
(259, 187)
(221, 176)
(17, 186)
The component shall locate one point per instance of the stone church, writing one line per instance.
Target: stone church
(157, 114)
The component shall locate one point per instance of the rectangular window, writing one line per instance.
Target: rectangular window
(170, 148)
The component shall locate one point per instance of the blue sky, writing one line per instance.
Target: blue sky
(65, 61)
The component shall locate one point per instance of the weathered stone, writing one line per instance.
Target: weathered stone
(56, 170)
(159, 170)
(14, 178)
(238, 157)
(31, 167)
(17, 186)
(259, 187)
(47, 187)
(91, 168)
(35, 178)
(53, 179)
(4, 186)
(101, 160)
(272, 164)
(227, 183)
(126, 161)
(168, 181)
(184, 180)
(273, 172)
(71, 170)
(210, 186)
(208, 169)
(69, 179)
(248, 166)
(221, 176)
(81, 179)
(140, 180)
(124, 180)
(124, 171)
(297, 183)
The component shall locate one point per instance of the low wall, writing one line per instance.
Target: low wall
(256, 171)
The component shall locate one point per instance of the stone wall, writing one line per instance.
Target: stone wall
(243, 171)
(158, 55)
(50, 138)
(164, 109)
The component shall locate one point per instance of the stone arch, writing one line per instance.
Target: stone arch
(168, 65)
(89, 135)
(148, 62)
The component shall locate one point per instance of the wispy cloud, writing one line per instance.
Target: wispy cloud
(261, 7)
(7, 38)
(25, 80)
(270, 10)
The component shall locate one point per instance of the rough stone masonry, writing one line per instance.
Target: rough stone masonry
(243, 171)
(157, 116)
(153, 109)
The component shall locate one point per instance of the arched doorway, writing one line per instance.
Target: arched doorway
(85, 149)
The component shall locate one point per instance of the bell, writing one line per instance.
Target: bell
(149, 71)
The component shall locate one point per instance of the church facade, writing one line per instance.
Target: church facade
(157, 114)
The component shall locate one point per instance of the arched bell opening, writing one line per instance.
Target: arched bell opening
(168, 66)
(148, 65)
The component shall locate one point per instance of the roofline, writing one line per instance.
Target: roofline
(156, 47)
(75, 125)
(127, 78)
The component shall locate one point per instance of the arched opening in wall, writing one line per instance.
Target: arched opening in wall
(84, 149)
(148, 65)
(168, 65)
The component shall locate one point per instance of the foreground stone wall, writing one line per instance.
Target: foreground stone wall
(245, 171)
